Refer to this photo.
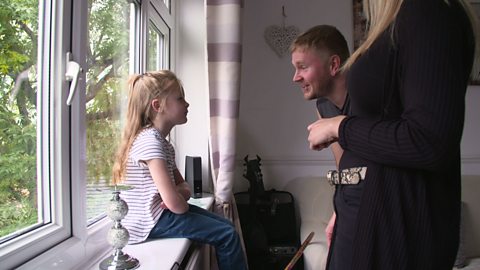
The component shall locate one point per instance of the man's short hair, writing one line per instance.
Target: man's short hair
(320, 38)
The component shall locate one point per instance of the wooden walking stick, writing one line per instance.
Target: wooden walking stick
(299, 252)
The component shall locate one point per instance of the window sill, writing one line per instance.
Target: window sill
(162, 253)
(72, 252)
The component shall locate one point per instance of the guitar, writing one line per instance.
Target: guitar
(253, 174)
(254, 233)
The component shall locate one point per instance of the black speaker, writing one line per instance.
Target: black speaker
(193, 174)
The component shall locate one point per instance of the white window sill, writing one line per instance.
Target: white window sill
(161, 254)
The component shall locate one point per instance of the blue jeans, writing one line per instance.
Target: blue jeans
(203, 226)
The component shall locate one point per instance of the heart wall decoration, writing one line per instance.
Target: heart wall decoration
(279, 38)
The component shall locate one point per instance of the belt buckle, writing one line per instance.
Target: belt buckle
(332, 177)
(351, 176)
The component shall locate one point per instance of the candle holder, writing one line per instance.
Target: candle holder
(118, 235)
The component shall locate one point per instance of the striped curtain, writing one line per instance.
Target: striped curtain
(224, 52)
(224, 62)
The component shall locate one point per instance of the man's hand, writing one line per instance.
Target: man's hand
(329, 228)
(324, 132)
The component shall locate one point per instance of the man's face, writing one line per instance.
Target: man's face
(312, 72)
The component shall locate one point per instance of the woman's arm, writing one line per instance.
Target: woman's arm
(172, 199)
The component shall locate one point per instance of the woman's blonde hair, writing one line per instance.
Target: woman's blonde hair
(142, 89)
(380, 14)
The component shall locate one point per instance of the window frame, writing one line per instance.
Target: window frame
(52, 245)
(162, 19)
(50, 167)
(162, 50)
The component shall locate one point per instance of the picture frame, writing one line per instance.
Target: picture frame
(359, 24)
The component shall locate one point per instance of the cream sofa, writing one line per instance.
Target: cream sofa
(313, 199)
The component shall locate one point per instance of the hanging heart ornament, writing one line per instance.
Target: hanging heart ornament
(279, 38)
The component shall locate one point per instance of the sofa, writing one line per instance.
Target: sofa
(313, 201)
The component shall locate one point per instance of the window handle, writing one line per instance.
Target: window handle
(71, 75)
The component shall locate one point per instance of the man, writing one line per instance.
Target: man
(318, 56)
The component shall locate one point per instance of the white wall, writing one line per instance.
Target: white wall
(273, 113)
(192, 138)
(471, 133)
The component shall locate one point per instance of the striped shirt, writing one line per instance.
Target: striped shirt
(144, 200)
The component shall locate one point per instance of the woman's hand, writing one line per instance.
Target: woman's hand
(324, 132)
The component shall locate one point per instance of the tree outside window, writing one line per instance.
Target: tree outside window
(108, 63)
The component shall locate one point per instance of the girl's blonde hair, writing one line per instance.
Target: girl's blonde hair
(380, 14)
(142, 89)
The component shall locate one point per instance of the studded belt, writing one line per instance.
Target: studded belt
(350, 176)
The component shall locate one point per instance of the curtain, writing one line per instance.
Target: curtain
(224, 63)
(223, 20)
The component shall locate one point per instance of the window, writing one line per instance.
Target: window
(19, 192)
(108, 66)
(56, 159)
(158, 47)
(154, 49)
(31, 139)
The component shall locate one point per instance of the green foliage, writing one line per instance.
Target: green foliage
(18, 28)
(108, 36)
(107, 60)
(15, 215)
(18, 48)
(101, 145)
(17, 171)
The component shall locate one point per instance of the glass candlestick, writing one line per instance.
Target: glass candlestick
(118, 235)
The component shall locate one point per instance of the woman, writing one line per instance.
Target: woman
(397, 195)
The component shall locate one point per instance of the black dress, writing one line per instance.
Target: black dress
(407, 97)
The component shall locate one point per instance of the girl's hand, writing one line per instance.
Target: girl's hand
(182, 187)
(324, 132)
(163, 205)
(184, 190)
(166, 187)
